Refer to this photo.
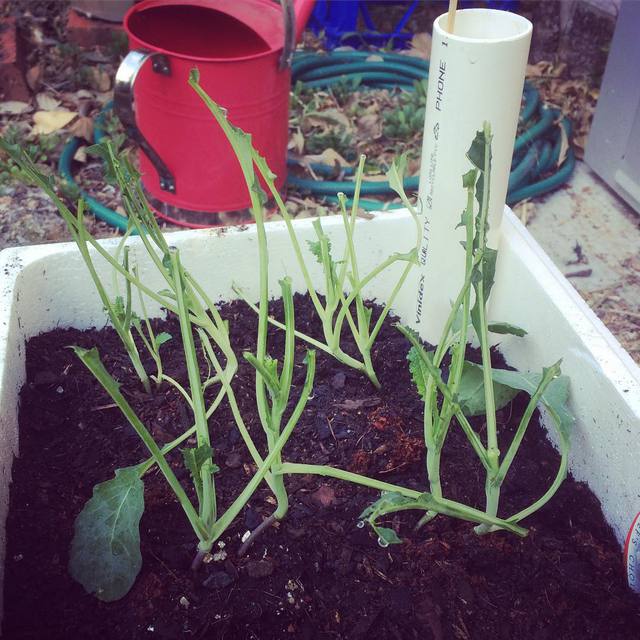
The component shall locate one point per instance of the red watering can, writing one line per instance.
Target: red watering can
(243, 51)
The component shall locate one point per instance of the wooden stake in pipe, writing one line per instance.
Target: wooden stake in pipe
(451, 17)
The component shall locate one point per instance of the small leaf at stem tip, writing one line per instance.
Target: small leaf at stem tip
(105, 551)
(487, 275)
(386, 536)
(161, 338)
(507, 329)
(316, 250)
(194, 460)
(476, 151)
(419, 372)
(395, 174)
(469, 179)
(259, 191)
(194, 76)
(386, 502)
(464, 219)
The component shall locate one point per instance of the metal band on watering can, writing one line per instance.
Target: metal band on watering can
(190, 207)
(123, 106)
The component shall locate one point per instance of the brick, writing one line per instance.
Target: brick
(90, 33)
(13, 85)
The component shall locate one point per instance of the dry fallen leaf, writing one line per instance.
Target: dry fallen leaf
(34, 76)
(328, 156)
(104, 97)
(100, 79)
(324, 496)
(327, 117)
(296, 141)
(353, 405)
(564, 146)
(420, 46)
(37, 35)
(545, 68)
(49, 121)
(370, 126)
(47, 102)
(81, 154)
(14, 107)
(82, 128)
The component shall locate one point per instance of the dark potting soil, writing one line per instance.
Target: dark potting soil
(317, 575)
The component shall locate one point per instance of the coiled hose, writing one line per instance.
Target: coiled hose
(534, 169)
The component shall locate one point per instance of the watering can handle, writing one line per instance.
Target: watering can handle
(289, 16)
(123, 106)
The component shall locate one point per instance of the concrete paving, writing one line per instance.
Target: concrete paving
(594, 239)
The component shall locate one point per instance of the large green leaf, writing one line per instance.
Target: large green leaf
(471, 391)
(554, 398)
(105, 551)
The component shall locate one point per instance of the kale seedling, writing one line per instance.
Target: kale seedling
(338, 305)
(480, 390)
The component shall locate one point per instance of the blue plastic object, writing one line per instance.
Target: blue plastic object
(339, 22)
(338, 19)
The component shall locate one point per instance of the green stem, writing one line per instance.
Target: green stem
(442, 505)
(145, 466)
(559, 479)
(493, 453)
(342, 357)
(233, 404)
(550, 374)
(81, 238)
(440, 429)
(208, 503)
(91, 359)
(239, 503)
(347, 476)
(388, 305)
(181, 390)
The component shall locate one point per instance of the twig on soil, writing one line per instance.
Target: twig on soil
(583, 273)
(265, 524)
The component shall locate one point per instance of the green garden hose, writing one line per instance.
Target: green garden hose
(99, 210)
(537, 149)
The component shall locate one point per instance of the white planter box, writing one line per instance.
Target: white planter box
(47, 286)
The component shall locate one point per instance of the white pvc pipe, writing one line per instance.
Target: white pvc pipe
(476, 74)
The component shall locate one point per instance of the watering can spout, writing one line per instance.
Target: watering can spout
(303, 9)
